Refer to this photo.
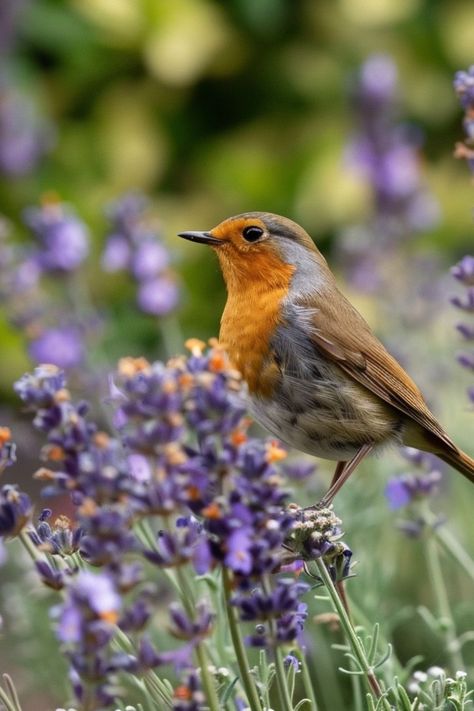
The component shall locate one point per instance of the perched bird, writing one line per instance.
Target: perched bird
(318, 378)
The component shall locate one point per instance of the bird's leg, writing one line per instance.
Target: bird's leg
(342, 474)
(337, 473)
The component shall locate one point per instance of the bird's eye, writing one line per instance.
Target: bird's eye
(252, 233)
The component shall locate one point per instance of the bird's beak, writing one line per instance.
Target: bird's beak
(201, 237)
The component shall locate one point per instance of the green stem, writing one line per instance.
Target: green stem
(6, 701)
(172, 336)
(362, 620)
(281, 676)
(206, 678)
(446, 620)
(307, 683)
(9, 697)
(29, 545)
(155, 692)
(351, 635)
(247, 680)
(187, 599)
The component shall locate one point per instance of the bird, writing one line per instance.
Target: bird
(318, 378)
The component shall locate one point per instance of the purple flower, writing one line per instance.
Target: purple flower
(378, 79)
(89, 612)
(116, 256)
(464, 86)
(62, 538)
(86, 625)
(291, 661)
(185, 628)
(385, 154)
(133, 246)
(464, 89)
(179, 547)
(158, 296)
(51, 577)
(15, 510)
(63, 238)
(463, 271)
(403, 490)
(300, 470)
(24, 135)
(466, 360)
(150, 259)
(60, 346)
(188, 696)
(398, 493)
(281, 604)
(238, 557)
(7, 449)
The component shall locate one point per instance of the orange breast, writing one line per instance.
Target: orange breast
(250, 317)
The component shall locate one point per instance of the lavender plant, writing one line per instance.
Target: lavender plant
(182, 489)
(384, 153)
(133, 247)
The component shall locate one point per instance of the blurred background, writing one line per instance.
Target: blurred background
(123, 122)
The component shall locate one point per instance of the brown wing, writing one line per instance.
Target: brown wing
(341, 333)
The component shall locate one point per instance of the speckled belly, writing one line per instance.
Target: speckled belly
(326, 415)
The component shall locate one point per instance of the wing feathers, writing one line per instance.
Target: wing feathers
(349, 342)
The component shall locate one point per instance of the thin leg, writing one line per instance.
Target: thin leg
(342, 474)
(337, 473)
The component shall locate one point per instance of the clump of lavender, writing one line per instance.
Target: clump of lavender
(183, 459)
(464, 273)
(15, 506)
(464, 87)
(25, 134)
(133, 246)
(62, 239)
(60, 246)
(409, 491)
(385, 154)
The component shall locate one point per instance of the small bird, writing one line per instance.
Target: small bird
(317, 376)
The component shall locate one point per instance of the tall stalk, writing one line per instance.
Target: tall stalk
(247, 680)
(354, 641)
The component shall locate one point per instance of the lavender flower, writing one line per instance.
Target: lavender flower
(463, 86)
(63, 238)
(62, 538)
(188, 696)
(86, 625)
(403, 490)
(385, 154)
(282, 604)
(7, 449)
(158, 296)
(158, 407)
(63, 347)
(410, 489)
(92, 463)
(133, 246)
(184, 628)
(463, 271)
(15, 510)
(25, 136)
(316, 533)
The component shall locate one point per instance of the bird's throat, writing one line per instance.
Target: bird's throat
(251, 315)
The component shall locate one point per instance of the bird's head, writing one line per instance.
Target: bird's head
(260, 246)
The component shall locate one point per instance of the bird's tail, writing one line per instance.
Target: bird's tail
(460, 461)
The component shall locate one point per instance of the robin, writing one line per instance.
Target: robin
(317, 376)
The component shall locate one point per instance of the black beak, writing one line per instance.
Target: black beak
(201, 237)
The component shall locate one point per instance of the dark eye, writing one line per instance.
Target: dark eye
(252, 233)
